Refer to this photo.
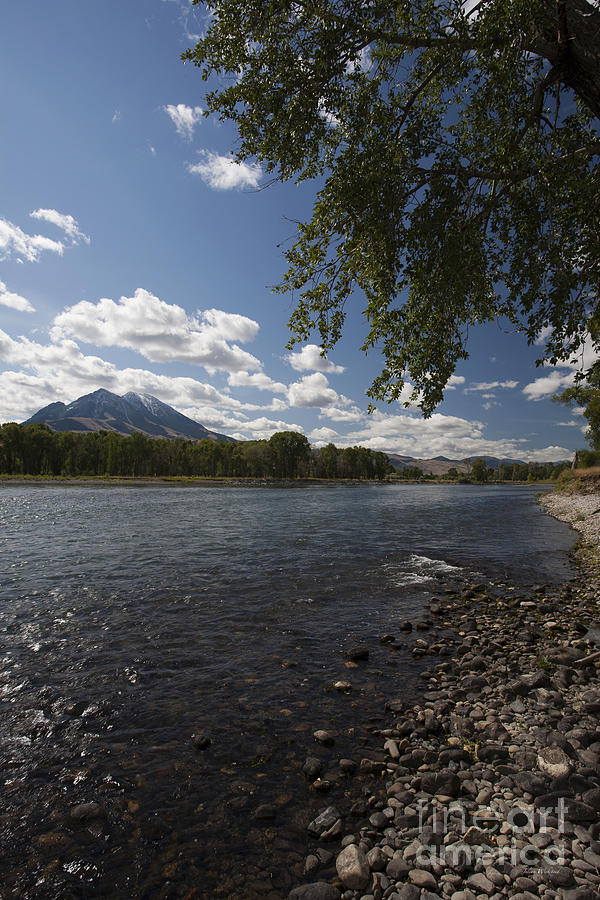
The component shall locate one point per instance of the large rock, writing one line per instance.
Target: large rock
(326, 819)
(353, 868)
(409, 892)
(422, 879)
(529, 782)
(90, 816)
(444, 782)
(554, 762)
(312, 768)
(491, 753)
(397, 869)
(524, 685)
(481, 884)
(580, 893)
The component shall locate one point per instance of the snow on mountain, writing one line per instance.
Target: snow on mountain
(105, 411)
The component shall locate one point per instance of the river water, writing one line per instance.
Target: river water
(134, 617)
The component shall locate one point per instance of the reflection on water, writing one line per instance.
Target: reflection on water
(134, 618)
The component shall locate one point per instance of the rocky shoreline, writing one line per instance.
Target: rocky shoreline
(491, 786)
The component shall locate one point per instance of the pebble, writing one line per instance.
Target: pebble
(491, 787)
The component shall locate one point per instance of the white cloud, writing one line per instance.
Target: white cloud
(543, 336)
(440, 435)
(223, 173)
(60, 371)
(15, 242)
(409, 396)
(66, 223)
(314, 390)
(350, 414)
(232, 326)
(263, 428)
(14, 301)
(323, 435)
(238, 425)
(161, 332)
(491, 386)
(454, 381)
(563, 375)
(116, 116)
(362, 63)
(309, 359)
(549, 454)
(184, 118)
(548, 385)
(257, 380)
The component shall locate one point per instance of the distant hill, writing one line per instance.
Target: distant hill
(437, 466)
(104, 411)
(440, 465)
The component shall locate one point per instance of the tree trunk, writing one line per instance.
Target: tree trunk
(569, 38)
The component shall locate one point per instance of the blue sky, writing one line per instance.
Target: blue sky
(135, 255)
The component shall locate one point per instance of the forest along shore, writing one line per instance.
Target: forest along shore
(491, 787)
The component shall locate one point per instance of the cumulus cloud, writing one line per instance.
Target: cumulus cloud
(336, 414)
(563, 375)
(184, 118)
(238, 425)
(309, 359)
(409, 396)
(314, 390)
(14, 242)
(14, 301)
(454, 381)
(257, 380)
(441, 435)
(548, 385)
(263, 428)
(161, 332)
(323, 435)
(66, 223)
(61, 371)
(224, 174)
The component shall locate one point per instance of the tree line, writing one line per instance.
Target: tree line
(37, 450)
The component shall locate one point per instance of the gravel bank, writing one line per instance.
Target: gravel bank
(491, 787)
(581, 511)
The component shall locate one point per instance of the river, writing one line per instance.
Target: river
(134, 617)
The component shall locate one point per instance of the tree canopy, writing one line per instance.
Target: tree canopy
(587, 395)
(455, 146)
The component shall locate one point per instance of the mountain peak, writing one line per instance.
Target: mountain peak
(102, 410)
